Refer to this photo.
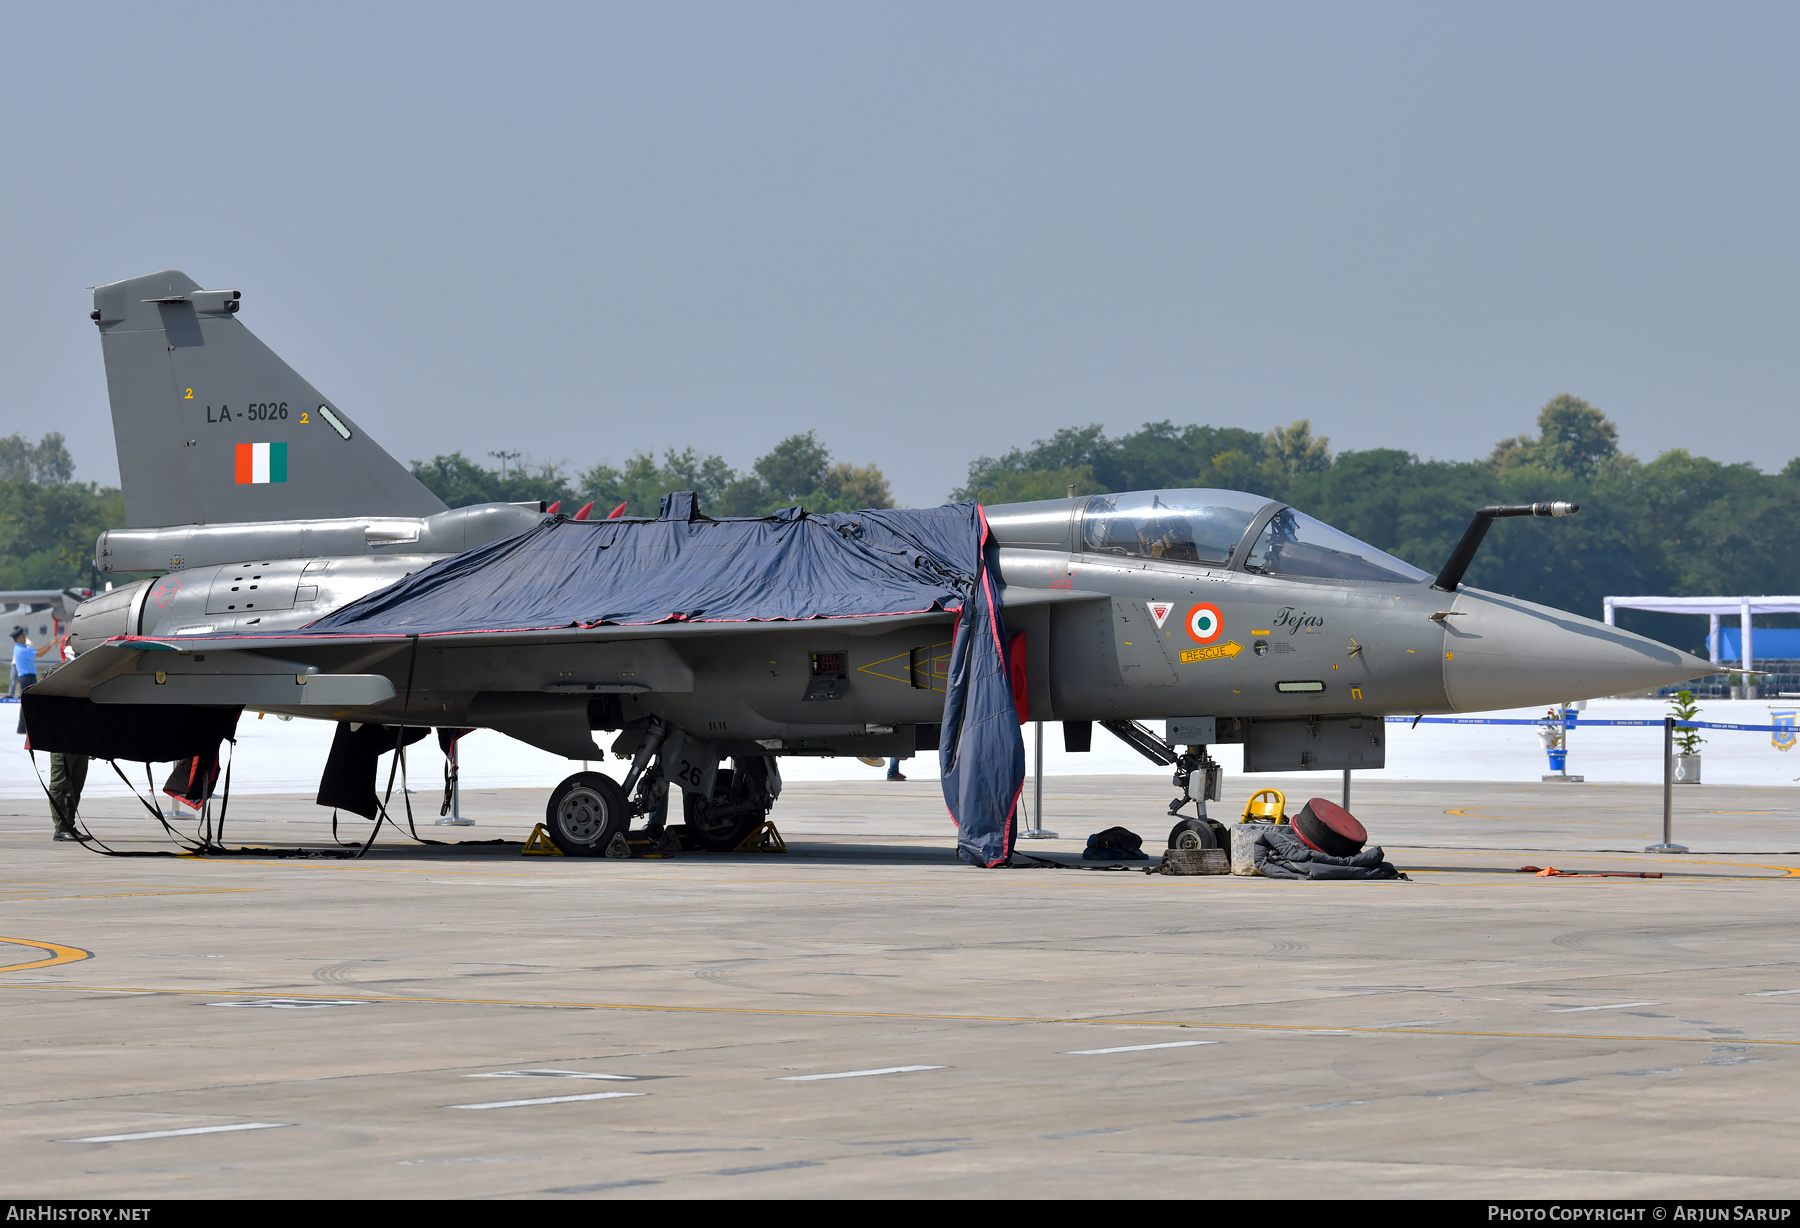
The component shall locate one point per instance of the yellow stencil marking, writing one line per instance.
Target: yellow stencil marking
(59, 954)
(189, 396)
(940, 666)
(1229, 649)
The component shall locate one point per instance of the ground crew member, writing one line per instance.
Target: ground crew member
(24, 668)
(68, 773)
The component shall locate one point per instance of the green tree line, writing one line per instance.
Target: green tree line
(48, 520)
(798, 470)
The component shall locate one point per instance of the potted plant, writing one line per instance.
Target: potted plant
(1550, 737)
(1687, 741)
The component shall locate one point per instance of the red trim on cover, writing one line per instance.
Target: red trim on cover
(327, 636)
(1015, 674)
(616, 512)
(1012, 809)
(1012, 827)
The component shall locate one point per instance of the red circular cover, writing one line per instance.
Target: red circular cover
(1335, 820)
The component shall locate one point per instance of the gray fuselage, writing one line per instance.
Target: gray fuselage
(1230, 643)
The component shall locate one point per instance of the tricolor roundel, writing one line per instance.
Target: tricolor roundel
(258, 463)
(1204, 623)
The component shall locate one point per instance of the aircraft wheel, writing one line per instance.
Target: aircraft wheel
(585, 812)
(718, 835)
(1193, 834)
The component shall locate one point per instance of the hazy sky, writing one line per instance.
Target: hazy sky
(926, 231)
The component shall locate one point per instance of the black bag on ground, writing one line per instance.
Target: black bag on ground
(1279, 852)
(1115, 844)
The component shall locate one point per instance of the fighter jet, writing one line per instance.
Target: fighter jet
(1230, 617)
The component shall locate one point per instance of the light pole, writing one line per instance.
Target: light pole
(503, 457)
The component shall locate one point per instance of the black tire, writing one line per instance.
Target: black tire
(719, 835)
(1193, 834)
(585, 812)
(1221, 833)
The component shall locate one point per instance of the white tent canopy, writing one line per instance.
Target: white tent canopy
(1714, 608)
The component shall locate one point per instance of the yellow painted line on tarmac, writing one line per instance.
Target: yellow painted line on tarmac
(8, 896)
(615, 876)
(1659, 859)
(59, 954)
(126, 895)
(923, 1016)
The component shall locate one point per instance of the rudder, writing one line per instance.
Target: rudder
(213, 428)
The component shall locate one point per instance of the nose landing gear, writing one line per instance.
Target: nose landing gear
(1199, 832)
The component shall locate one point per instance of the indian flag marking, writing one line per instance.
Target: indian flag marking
(261, 462)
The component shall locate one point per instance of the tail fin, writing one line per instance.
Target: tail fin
(212, 427)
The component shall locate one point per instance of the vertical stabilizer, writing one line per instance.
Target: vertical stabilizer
(212, 427)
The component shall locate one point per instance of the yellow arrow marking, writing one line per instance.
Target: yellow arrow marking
(936, 657)
(1230, 648)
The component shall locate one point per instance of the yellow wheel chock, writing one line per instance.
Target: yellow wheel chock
(539, 844)
(1265, 806)
(764, 839)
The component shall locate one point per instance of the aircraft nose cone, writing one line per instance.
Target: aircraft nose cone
(1500, 652)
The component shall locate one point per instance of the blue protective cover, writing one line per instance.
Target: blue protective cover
(980, 754)
(794, 565)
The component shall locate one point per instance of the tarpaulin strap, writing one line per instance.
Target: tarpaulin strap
(406, 796)
(97, 846)
(218, 839)
(412, 660)
(155, 811)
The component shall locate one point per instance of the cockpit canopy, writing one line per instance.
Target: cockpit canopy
(1208, 527)
(1182, 526)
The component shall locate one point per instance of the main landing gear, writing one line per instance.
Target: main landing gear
(590, 816)
(585, 812)
(741, 799)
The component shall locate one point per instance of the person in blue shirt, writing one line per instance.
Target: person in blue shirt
(24, 668)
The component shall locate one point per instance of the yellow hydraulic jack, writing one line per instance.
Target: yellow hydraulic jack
(764, 839)
(539, 844)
